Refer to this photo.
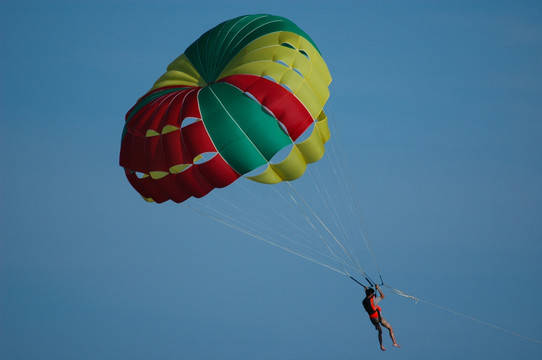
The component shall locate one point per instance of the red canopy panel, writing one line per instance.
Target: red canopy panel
(284, 105)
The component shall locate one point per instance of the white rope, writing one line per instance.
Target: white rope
(346, 252)
(241, 214)
(337, 153)
(325, 196)
(259, 237)
(320, 235)
(440, 307)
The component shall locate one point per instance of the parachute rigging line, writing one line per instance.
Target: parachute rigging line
(246, 218)
(274, 234)
(264, 239)
(342, 247)
(337, 155)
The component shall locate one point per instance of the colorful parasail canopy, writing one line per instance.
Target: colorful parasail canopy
(245, 99)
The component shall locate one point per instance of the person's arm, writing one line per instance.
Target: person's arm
(380, 292)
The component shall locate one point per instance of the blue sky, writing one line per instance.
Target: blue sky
(438, 107)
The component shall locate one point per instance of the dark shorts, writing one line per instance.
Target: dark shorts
(377, 321)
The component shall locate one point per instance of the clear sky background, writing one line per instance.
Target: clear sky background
(440, 107)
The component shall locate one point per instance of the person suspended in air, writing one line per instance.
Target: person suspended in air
(370, 303)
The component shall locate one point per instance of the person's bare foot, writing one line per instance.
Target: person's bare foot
(382, 348)
(397, 345)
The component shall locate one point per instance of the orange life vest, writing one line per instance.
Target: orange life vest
(372, 309)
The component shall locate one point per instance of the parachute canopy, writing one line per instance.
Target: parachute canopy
(245, 99)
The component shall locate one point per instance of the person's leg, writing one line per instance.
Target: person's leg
(376, 323)
(380, 338)
(388, 326)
